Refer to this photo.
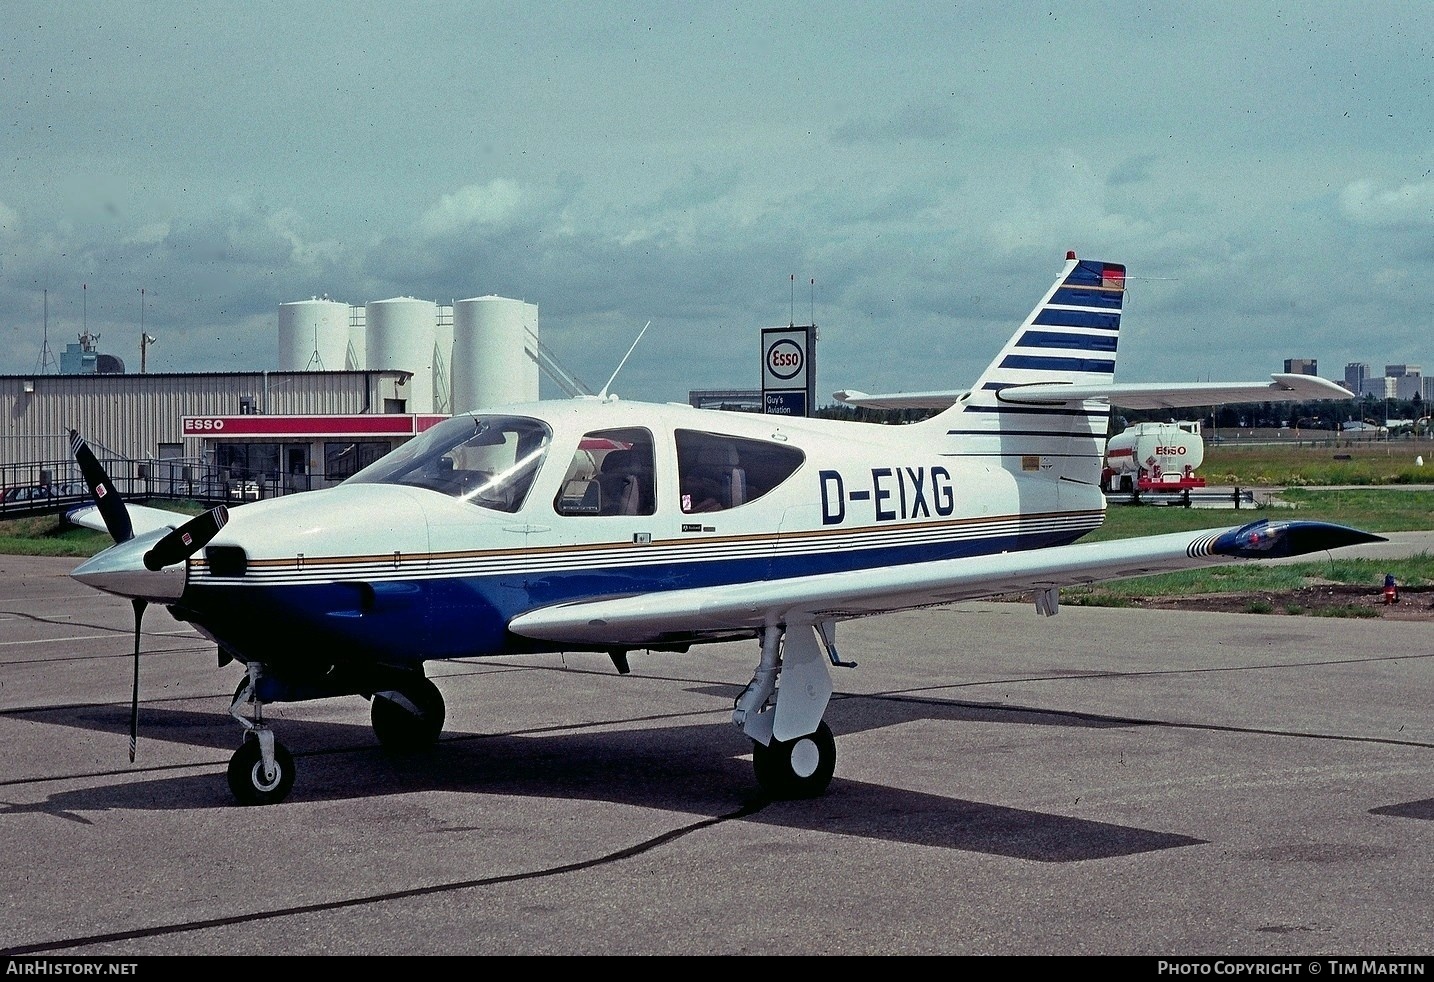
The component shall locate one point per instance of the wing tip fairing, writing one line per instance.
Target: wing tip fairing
(1268, 539)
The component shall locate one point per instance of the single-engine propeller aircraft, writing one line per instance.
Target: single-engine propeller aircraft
(605, 525)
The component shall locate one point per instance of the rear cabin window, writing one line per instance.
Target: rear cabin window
(717, 472)
(611, 473)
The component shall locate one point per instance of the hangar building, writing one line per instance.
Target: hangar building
(350, 383)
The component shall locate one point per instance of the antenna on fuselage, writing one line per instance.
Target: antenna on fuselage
(603, 393)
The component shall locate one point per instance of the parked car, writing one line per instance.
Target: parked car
(31, 492)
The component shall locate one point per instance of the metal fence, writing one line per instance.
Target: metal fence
(51, 486)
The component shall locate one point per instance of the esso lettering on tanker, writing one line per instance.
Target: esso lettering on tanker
(1169, 451)
(203, 425)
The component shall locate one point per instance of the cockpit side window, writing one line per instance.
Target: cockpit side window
(611, 473)
(717, 472)
(489, 461)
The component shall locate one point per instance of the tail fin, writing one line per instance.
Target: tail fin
(1070, 337)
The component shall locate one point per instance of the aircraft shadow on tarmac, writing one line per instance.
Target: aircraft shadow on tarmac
(695, 768)
(1409, 809)
(698, 768)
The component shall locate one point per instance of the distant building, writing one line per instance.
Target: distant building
(740, 400)
(81, 358)
(352, 383)
(1379, 388)
(1301, 366)
(1355, 374)
(1408, 386)
(1402, 382)
(188, 416)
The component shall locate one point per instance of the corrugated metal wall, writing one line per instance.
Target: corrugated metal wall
(132, 415)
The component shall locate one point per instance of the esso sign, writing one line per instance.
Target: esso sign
(1169, 451)
(784, 359)
(203, 425)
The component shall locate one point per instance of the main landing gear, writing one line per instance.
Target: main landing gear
(408, 719)
(793, 751)
(407, 714)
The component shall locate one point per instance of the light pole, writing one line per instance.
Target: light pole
(145, 340)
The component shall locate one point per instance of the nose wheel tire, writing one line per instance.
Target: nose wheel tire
(408, 719)
(248, 781)
(800, 768)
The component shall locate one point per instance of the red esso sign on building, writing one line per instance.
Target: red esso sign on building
(784, 359)
(203, 424)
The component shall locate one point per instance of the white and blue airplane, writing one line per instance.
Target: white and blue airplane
(605, 525)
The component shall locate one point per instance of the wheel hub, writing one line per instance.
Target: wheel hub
(261, 783)
(806, 757)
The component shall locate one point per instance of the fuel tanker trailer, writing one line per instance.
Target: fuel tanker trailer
(1154, 457)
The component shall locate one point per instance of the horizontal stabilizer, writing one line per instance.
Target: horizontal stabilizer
(1134, 395)
(898, 400)
(1158, 395)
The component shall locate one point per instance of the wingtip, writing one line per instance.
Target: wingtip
(1267, 539)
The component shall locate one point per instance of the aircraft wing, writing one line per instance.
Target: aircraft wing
(712, 612)
(1135, 395)
(142, 517)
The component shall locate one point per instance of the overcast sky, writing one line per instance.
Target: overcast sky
(1262, 169)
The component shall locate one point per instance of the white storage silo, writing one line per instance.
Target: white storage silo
(400, 335)
(313, 336)
(490, 360)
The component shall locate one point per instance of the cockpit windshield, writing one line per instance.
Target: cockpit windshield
(489, 461)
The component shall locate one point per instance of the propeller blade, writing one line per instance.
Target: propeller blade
(102, 489)
(185, 541)
(139, 606)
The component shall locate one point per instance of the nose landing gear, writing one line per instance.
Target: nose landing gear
(261, 772)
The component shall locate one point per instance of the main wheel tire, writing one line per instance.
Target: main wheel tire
(800, 768)
(246, 774)
(398, 728)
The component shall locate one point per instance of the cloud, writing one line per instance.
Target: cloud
(496, 204)
(9, 221)
(1134, 170)
(909, 122)
(1407, 206)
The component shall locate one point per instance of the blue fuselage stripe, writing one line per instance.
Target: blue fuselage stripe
(409, 621)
